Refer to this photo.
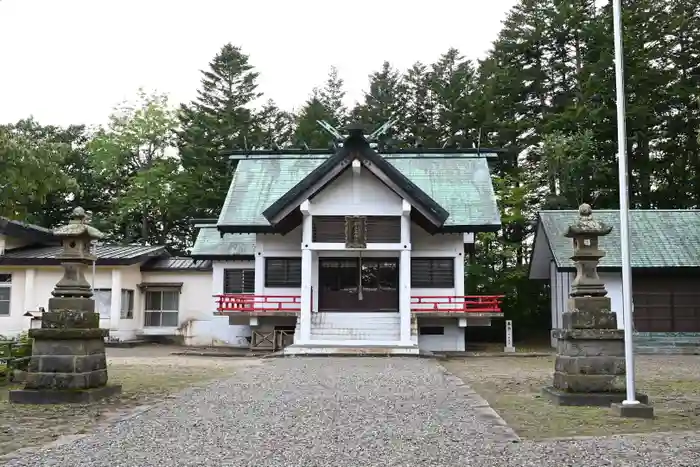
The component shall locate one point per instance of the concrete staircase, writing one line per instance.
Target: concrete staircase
(382, 327)
(352, 333)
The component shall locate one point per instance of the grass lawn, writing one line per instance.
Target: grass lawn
(513, 386)
(144, 382)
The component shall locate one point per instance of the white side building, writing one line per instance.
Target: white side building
(665, 257)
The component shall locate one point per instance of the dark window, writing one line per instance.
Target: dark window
(379, 229)
(282, 272)
(383, 229)
(432, 331)
(433, 273)
(5, 293)
(328, 229)
(672, 311)
(239, 280)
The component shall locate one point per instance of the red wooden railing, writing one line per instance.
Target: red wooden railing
(241, 303)
(466, 304)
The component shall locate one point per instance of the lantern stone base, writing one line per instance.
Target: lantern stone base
(63, 396)
(68, 365)
(589, 368)
(590, 399)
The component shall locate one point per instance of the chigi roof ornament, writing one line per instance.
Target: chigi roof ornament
(356, 129)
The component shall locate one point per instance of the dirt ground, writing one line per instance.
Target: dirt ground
(513, 387)
(148, 375)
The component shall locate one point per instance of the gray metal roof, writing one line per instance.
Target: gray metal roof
(178, 263)
(114, 254)
(210, 244)
(25, 225)
(659, 238)
(35, 232)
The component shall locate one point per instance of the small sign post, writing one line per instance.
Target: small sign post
(509, 337)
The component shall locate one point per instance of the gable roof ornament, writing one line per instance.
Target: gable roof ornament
(356, 129)
(356, 146)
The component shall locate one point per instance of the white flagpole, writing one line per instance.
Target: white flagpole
(624, 206)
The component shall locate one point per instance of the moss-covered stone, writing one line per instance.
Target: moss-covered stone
(70, 318)
(68, 334)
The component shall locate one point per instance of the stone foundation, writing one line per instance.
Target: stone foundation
(590, 365)
(587, 399)
(51, 396)
(67, 365)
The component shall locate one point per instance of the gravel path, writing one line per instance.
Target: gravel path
(342, 411)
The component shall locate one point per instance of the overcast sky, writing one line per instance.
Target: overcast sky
(71, 61)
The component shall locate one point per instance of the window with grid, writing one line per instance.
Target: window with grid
(5, 294)
(282, 272)
(103, 303)
(433, 273)
(239, 280)
(162, 308)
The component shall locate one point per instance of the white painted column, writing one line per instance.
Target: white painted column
(306, 277)
(405, 274)
(116, 302)
(314, 281)
(259, 273)
(459, 274)
(29, 292)
(217, 279)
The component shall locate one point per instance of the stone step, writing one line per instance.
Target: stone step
(338, 349)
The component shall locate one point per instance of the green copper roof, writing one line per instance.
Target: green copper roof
(209, 243)
(658, 238)
(257, 183)
(461, 184)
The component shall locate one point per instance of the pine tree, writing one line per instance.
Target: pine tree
(308, 133)
(331, 97)
(275, 127)
(420, 114)
(325, 103)
(453, 86)
(221, 118)
(384, 100)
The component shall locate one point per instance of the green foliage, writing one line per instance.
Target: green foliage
(134, 158)
(31, 164)
(15, 354)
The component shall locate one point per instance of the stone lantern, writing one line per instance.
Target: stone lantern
(590, 363)
(68, 363)
(76, 239)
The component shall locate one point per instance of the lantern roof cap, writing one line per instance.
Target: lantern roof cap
(78, 226)
(587, 225)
